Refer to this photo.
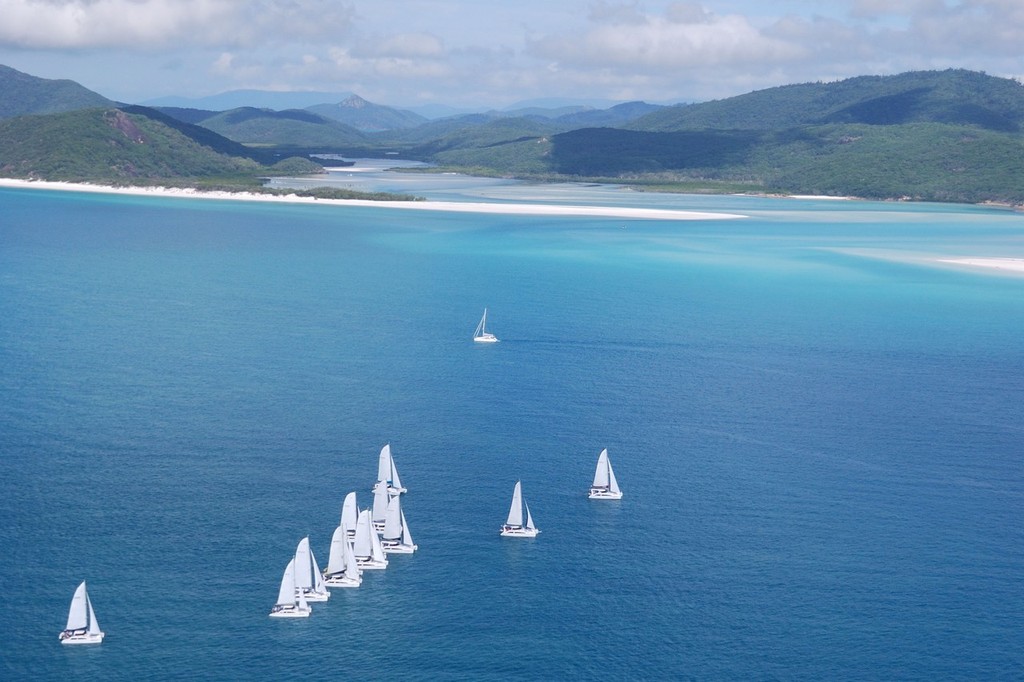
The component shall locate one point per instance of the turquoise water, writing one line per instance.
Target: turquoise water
(819, 436)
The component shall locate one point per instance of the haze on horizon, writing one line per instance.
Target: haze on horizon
(472, 54)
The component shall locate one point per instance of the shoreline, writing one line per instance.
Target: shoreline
(450, 206)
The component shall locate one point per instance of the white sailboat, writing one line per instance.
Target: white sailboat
(350, 515)
(308, 580)
(381, 496)
(396, 538)
(514, 526)
(605, 487)
(341, 570)
(290, 602)
(481, 335)
(82, 627)
(367, 548)
(387, 472)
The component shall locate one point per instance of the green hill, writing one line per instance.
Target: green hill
(366, 116)
(954, 96)
(289, 128)
(22, 94)
(123, 146)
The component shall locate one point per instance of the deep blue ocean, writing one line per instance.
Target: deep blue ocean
(818, 430)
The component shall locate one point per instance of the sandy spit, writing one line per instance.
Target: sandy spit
(452, 206)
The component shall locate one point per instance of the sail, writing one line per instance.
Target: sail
(351, 569)
(603, 467)
(94, 625)
(396, 482)
(481, 327)
(302, 603)
(613, 485)
(406, 535)
(363, 544)
(303, 565)
(286, 595)
(377, 549)
(380, 503)
(515, 512)
(78, 614)
(384, 464)
(336, 558)
(349, 512)
(529, 518)
(393, 520)
(318, 578)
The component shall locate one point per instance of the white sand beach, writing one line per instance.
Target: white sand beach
(451, 206)
(1010, 264)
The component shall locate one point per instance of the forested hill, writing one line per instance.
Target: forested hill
(955, 96)
(22, 94)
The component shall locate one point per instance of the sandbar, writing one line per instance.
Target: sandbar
(1010, 264)
(451, 206)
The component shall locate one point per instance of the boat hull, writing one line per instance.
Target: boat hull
(94, 638)
(513, 532)
(400, 549)
(291, 612)
(315, 596)
(602, 494)
(343, 582)
(371, 565)
(490, 338)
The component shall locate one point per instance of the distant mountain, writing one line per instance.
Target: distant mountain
(616, 116)
(258, 99)
(291, 127)
(367, 116)
(187, 115)
(22, 94)
(954, 96)
(130, 145)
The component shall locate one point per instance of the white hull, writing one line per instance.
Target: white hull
(371, 565)
(342, 581)
(604, 494)
(489, 338)
(400, 549)
(290, 612)
(518, 532)
(94, 638)
(315, 596)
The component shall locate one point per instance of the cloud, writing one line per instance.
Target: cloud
(685, 36)
(158, 24)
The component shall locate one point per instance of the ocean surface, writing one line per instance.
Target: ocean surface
(818, 429)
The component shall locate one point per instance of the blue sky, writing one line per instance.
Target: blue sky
(493, 53)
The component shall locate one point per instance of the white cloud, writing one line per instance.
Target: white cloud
(160, 24)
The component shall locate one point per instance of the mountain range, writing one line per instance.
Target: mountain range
(951, 135)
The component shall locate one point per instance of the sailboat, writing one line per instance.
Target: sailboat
(82, 627)
(605, 486)
(291, 603)
(387, 472)
(341, 570)
(367, 549)
(514, 527)
(481, 335)
(308, 580)
(350, 515)
(396, 538)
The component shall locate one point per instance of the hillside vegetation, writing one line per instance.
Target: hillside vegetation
(22, 94)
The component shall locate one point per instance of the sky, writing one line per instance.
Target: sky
(478, 54)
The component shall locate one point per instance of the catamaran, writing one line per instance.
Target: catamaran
(367, 549)
(481, 335)
(82, 627)
(308, 580)
(514, 527)
(605, 486)
(350, 515)
(290, 602)
(396, 538)
(387, 472)
(342, 570)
